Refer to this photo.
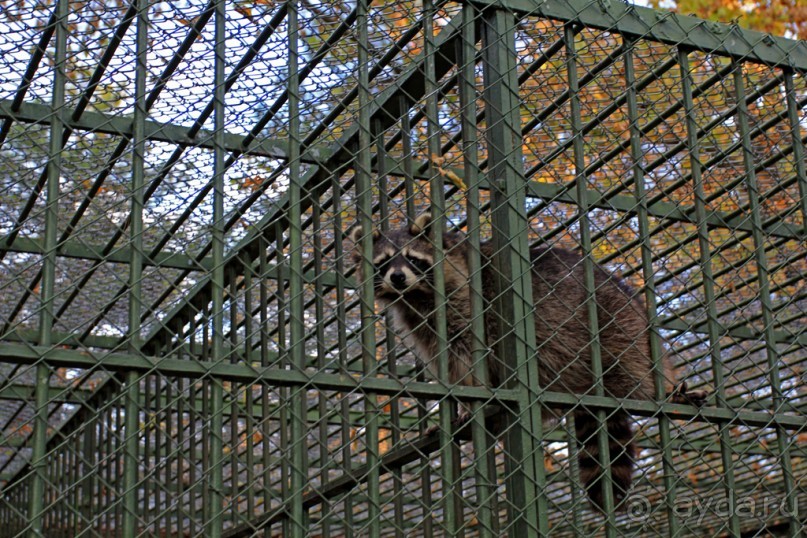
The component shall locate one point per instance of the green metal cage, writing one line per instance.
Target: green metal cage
(184, 349)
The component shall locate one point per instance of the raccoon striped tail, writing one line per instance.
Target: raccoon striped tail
(621, 451)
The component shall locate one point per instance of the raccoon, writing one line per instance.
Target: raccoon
(403, 263)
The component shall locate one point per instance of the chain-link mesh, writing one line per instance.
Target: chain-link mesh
(221, 314)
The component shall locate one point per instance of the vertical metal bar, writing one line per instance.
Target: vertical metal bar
(513, 285)
(108, 501)
(48, 286)
(390, 351)
(132, 382)
(159, 449)
(183, 480)
(248, 389)
(484, 466)
(193, 416)
(266, 462)
(54, 512)
(70, 491)
(117, 514)
(452, 507)
(364, 194)
(408, 168)
(283, 399)
(178, 515)
(148, 450)
(72, 479)
(323, 411)
(341, 324)
(215, 523)
(574, 474)
(712, 323)
(422, 412)
(298, 402)
(89, 473)
(798, 145)
(67, 491)
(232, 397)
(57, 511)
(206, 478)
(768, 321)
(81, 498)
(171, 458)
(651, 297)
(588, 272)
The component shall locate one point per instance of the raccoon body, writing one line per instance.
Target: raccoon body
(403, 281)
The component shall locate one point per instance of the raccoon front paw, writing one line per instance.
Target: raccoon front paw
(682, 395)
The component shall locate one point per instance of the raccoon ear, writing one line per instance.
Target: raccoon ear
(421, 224)
(357, 232)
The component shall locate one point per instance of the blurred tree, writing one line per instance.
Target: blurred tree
(778, 17)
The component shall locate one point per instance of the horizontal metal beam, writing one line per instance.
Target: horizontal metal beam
(662, 210)
(665, 27)
(16, 391)
(31, 336)
(241, 373)
(329, 278)
(170, 260)
(84, 251)
(163, 404)
(740, 333)
(119, 125)
(245, 373)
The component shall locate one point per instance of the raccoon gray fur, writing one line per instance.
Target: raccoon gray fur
(403, 261)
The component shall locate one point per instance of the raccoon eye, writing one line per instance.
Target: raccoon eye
(382, 264)
(420, 264)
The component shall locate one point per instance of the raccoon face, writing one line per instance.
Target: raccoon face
(402, 259)
(401, 270)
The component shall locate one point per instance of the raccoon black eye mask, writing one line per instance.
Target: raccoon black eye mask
(561, 330)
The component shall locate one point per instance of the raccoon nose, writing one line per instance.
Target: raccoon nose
(398, 279)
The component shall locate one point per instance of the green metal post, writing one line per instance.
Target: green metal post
(48, 286)
(408, 168)
(513, 304)
(299, 447)
(172, 459)
(248, 389)
(132, 381)
(89, 472)
(449, 457)
(427, 524)
(581, 184)
(573, 442)
(483, 443)
(341, 323)
(323, 410)
(192, 431)
(364, 194)
(263, 308)
(284, 362)
(693, 147)
(783, 438)
(648, 275)
(389, 335)
(704, 245)
(798, 145)
(214, 525)
(232, 393)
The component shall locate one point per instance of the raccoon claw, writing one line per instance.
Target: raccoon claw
(682, 395)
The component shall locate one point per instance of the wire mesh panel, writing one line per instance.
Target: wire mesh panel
(414, 268)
